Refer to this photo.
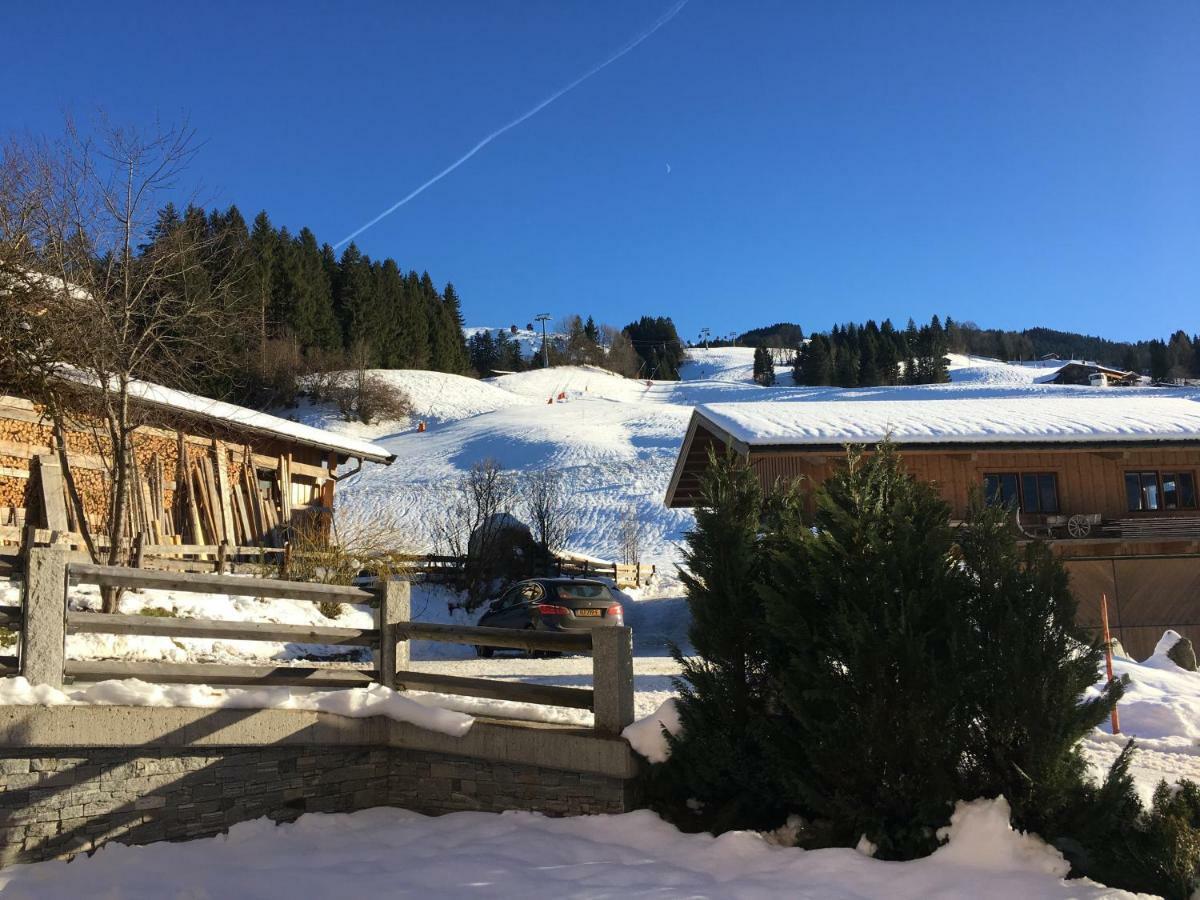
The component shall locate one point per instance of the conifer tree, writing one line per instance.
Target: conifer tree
(1035, 666)
(457, 357)
(866, 609)
(718, 758)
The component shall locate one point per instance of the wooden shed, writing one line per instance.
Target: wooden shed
(1111, 482)
(205, 472)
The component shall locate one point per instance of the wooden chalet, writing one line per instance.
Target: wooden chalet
(1084, 373)
(205, 472)
(1111, 482)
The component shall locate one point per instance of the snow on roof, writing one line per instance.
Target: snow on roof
(1038, 418)
(240, 417)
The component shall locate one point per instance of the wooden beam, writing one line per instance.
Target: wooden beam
(516, 691)
(496, 637)
(119, 576)
(200, 673)
(165, 626)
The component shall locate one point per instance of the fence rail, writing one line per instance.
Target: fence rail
(46, 620)
(227, 557)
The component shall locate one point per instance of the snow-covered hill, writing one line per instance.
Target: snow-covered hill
(614, 439)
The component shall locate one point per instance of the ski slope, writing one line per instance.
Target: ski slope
(615, 439)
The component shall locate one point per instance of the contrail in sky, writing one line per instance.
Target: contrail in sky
(662, 20)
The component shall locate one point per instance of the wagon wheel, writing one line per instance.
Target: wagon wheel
(1079, 526)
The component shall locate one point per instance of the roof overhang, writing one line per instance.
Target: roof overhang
(698, 424)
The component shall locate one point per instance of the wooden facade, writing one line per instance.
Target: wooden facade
(1146, 561)
(196, 480)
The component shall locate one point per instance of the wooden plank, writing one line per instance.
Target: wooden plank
(226, 501)
(11, 472)
(210, 517)
(53, 497)
(8, 401)
(200, 673)
(258, 529)
(261, 461)
(213, 496)
(285, 489)
(496, 637)
(101, 623)
(218, 584)
(517, 691)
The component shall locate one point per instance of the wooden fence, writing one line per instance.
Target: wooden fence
(46, 620)
(226, 557)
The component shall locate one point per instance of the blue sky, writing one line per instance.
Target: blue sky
(1013, 164)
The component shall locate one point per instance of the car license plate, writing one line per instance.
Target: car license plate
(588, 612)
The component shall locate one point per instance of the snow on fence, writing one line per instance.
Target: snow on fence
(47, 620)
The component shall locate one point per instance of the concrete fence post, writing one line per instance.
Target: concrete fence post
(394, 608)
(612, 678)
(44, 629)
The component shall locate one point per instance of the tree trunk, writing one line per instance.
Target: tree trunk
(111, 596)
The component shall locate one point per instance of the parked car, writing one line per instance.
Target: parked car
(553, 604)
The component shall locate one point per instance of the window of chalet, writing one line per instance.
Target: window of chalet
(1150, 491)
(1031, 492)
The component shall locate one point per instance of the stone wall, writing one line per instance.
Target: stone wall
(59, 801)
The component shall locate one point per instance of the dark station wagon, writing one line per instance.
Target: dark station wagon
(553, 604)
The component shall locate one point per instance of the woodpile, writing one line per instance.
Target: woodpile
(184, 489)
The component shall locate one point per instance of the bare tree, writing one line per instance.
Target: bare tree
(619, 357)
(479, 527)
(546, 503)
(104, 296)
(629, 535)
(362, 395)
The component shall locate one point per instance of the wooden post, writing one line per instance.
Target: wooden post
(139, 549)
(44, 631)
(54, 503)
(394, 608)
(1116, 721)
(612, 679)
(222, 556)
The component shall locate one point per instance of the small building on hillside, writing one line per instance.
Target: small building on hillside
(1087, 373)
(204, 471)
(1110, 481)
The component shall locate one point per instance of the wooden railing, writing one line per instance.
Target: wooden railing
(47, 620)
(226, 557)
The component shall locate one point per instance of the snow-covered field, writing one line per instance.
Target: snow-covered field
(396, 853)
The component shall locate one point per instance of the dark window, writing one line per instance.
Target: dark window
(1047, 492)
(1001, 490)
(1031, 492)
(1149, 491)
(1133, 491)
(1187, 490)
(1170, 490)
(583, 592)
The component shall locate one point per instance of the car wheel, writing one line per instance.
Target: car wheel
(483, 652)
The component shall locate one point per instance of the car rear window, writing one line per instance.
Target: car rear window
(583, 592)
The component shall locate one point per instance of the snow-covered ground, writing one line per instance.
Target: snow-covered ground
(395, 853)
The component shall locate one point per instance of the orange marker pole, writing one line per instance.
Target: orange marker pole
(1116, 722)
